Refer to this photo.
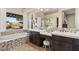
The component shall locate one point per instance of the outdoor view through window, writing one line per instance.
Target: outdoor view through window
(14, 21)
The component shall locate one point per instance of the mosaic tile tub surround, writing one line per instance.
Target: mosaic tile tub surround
(11, 39)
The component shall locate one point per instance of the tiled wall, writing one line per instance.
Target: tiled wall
(7, 44)
(12, 44)
(13, 31)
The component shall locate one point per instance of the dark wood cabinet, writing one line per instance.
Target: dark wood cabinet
(35, 38)
(76, 45)
(61, 43)
(57, 43)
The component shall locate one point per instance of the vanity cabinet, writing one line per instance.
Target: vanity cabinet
(35, 38)
(57, 42)
(61, 43)
(76, 45)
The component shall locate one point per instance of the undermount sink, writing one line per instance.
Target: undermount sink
(63, 33)
(46, 33)
(77, 32)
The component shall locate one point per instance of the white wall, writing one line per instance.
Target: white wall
(71, 21)
(2, 19)
(15, 10)
(25, 21)
(77, 18)
(37, 15)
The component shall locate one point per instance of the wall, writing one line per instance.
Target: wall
(12, 10)
(15, 10)
(26, 16)
(2, 19)
(25, 21)
(71, 21)
(77, 18)
(32, 19)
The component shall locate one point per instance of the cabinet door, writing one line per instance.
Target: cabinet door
(35, 38)
(62, 43)
(62, 39)
(76, 45)
(31, 37)
(54, 45)
(38, 41)
(66, 46)
(57, 46)
(63, 46)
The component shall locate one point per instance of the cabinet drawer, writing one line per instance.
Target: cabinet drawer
(62, 39)
(76, 45)
(76, 41)
(76, 48)
(63, 47)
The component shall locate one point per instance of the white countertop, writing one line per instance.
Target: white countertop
(43, 32)
(46, 33)
(65, 34)
(13, 36)
(37, 30)
(2, 30)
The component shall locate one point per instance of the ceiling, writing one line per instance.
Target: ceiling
(70, 11)
(48, 10)
(43, 10)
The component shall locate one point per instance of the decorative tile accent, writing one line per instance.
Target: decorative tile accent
(12, 44)
(9, 44)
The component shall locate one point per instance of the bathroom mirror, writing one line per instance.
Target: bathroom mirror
(51, 22)
(69, 18)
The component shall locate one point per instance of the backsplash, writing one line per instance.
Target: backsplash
(62, 30)
(12, 31)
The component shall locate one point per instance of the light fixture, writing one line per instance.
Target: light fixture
(41, 9)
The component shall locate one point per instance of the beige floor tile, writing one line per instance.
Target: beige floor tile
(29, 47)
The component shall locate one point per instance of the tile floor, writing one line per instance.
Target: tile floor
(29, 47)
